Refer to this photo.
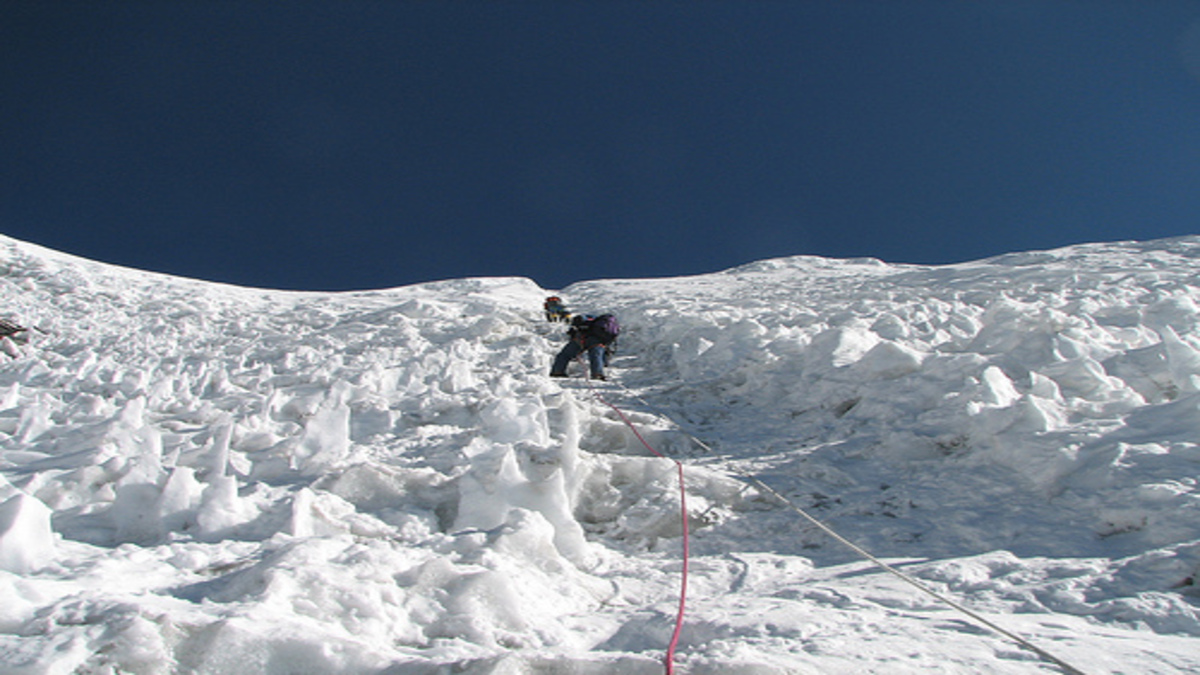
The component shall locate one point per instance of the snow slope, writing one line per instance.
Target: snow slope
(199, 478)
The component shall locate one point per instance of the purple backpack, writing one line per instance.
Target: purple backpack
(605, 328)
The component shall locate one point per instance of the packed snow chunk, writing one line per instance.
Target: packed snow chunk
(510, 421)
(641, 496)
(711, 346)
(487, 329)
(1003, 437)
(61, 651)
(890, 327)
(1038, 414)
(1145, 371)
(972, 574)
(275, 645)
(526, 587)
(11, 398)
(369, 419)
(19, 600)
(457, 377)
(325, 514)
(1020, 331)
(1179, 313)
(888, 361)
(135, 513)
(998, 389)
(1162, 612)
(1175, 567)
(374, 487)
(1085, 378)
(1044, 387)
(503, 478)
(326, 439)
(222, 510)
(34, 418)
(483, 608)
(1183, 361)
(1178, 420)
(181, 496)
(138, 644)
(426, 309)
(26, 540)
(313, 517)
(528, 542)
(687, 356)
(840, 347)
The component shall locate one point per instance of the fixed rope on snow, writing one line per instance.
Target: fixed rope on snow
(669, 658)
(755, 481)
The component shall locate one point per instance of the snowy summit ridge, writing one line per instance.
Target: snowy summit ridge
(202, 478)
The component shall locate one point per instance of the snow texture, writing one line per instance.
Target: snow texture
(200, 478)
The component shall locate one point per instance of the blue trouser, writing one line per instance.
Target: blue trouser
(595, 352)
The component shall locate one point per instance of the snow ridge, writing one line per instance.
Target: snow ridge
(201, 478)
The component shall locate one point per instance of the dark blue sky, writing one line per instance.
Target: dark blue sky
(352, 145)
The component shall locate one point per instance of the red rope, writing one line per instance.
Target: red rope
(669, 661)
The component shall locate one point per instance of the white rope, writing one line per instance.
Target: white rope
(755, 481)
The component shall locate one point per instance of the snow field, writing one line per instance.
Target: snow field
(324, 486)
(205, 479)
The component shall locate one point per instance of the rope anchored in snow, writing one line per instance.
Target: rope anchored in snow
(669, 659)
(754, 480)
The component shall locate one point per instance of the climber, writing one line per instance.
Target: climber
(595, 335)
(556, 311)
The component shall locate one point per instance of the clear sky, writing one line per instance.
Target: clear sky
(354, 145)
